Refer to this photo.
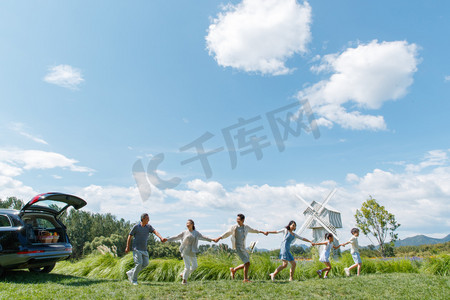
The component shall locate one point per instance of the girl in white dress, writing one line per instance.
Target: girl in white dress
(325, 254)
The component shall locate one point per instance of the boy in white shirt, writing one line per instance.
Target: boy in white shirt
(354, 250)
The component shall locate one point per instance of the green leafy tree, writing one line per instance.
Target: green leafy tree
(11, 202)
(374, 220)
(83, 227)
(114, 241)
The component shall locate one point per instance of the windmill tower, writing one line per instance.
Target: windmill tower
(321, 219)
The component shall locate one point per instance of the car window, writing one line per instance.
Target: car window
(4, 221)
(55, 205)
(44, 223)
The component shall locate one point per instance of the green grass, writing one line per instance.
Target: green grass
(26, 285)
(216, 267)
(103, 276)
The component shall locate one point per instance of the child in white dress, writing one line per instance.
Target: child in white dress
(325, 254)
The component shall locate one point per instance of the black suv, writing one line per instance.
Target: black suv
(34, 237)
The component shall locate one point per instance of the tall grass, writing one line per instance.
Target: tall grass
(217, 266)
(438, 265)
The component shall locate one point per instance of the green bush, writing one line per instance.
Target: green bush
(439, 265)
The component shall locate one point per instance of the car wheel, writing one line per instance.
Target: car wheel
(46, 269)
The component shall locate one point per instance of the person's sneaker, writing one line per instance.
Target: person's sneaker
(319, 272)
(347, 271)
(130, 279)
(325, 277)
(272, 276)
(135, 283)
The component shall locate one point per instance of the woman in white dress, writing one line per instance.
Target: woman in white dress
(189, 248)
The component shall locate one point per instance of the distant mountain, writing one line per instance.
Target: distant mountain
(261, 250)
(421, 240)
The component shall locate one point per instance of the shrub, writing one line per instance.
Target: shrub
(439, 265)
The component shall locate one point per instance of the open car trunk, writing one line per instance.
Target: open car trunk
(53, 203)
(40, 217)
(43, 229)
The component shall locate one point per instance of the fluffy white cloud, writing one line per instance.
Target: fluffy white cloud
(447, 78)
(364, 77)
(65, 76)
(419, 201)
(10, 187)
(15, 162)
(260, 35)
(38, 159)
(417, 195)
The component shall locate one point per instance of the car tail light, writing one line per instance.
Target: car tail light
(30, 252)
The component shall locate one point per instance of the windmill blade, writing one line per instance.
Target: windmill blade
(322, 206)
(310, 217)
(315, 216)
(305, 225)
(308, 220)
(327, 226)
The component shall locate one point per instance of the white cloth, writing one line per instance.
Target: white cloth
(232, 232)
(325, 254)
(189, 241)
(354, 248)
(190, 264)
(141, 260)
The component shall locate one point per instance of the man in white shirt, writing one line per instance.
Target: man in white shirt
(238, 234)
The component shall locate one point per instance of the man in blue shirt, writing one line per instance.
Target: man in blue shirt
(140, 232)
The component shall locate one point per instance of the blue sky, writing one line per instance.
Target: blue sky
(87, 89)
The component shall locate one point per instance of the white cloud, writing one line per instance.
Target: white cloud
(418, 200)
(447, 78)
(9, 170)
(418, 197)
(38, 159)
(65, 76)
(10, 187)
(432, 158)
(124, 202)
(260, 35)
(364, 77)
(15, 162)
(20, 128)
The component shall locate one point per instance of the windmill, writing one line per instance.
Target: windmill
(321, 219)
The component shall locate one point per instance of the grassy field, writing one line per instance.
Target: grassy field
(26, 285)
(216, 267)
(103, 276)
